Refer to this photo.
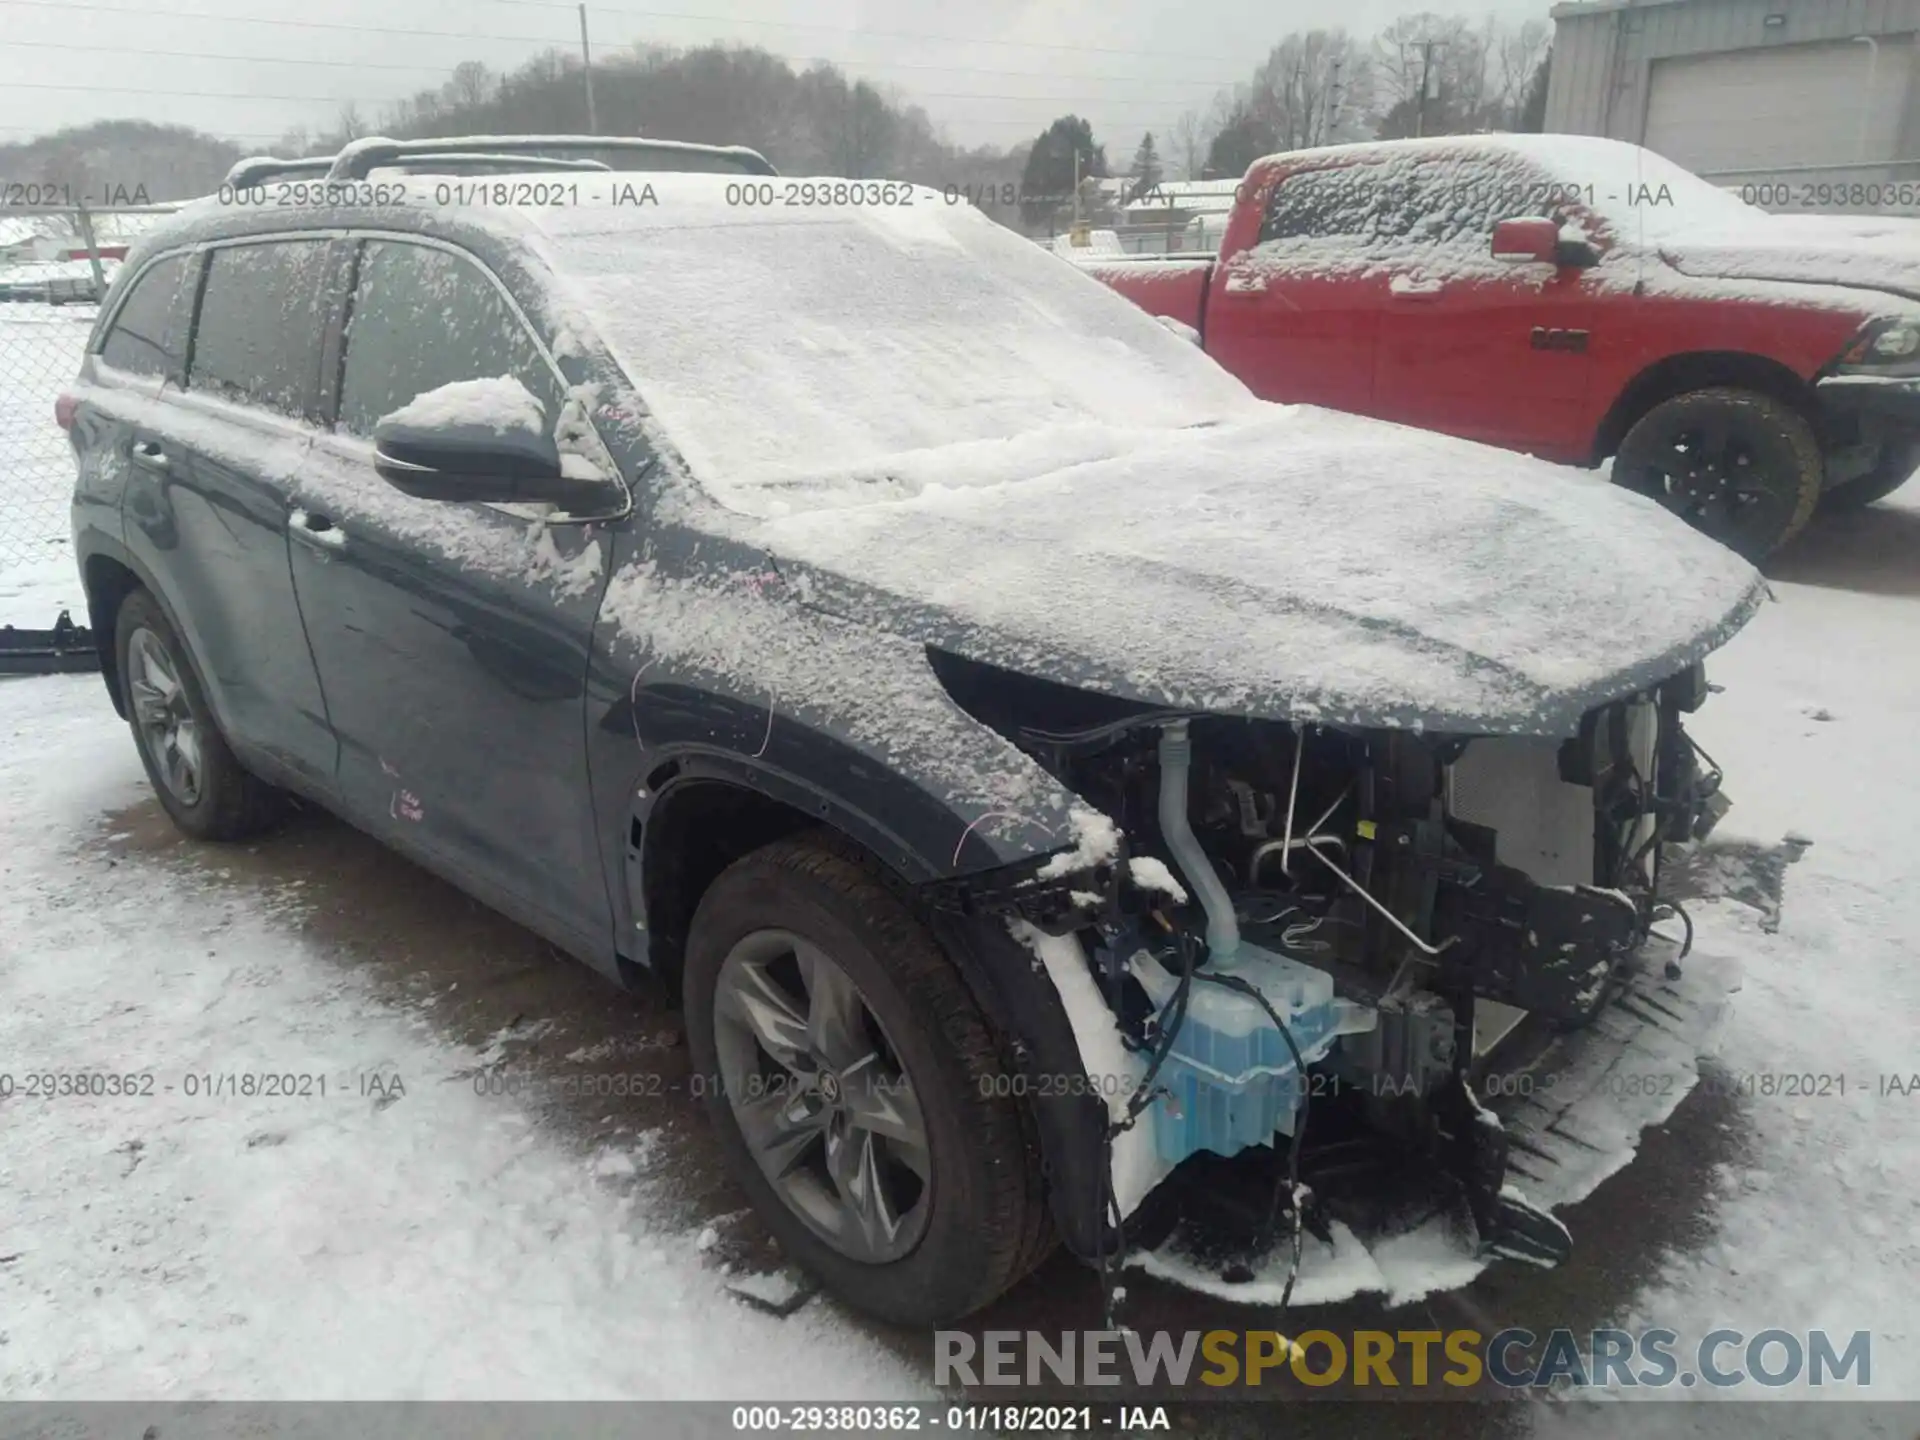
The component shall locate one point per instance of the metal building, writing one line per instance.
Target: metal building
(1817, 95)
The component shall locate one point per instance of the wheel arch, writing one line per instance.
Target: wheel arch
(108, 580)
(697, 814)
(1701, 370)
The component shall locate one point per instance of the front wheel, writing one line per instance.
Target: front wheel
(1739, 466)
(856, 1088)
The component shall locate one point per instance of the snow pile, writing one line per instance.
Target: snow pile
(498, 403)
(430, 1244)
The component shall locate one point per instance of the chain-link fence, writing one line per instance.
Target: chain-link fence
(52, 265)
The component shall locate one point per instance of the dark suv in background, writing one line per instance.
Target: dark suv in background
(911, 651)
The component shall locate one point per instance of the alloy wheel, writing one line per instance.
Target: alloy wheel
(821, 1097)
(1710, 477)
(167, 729)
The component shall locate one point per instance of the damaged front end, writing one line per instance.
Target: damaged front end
(1357, 925)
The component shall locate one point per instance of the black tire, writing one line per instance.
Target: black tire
(1898, 460)
(1737, 465)
(986, 1209)
(226, 803)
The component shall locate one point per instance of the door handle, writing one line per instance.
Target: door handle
(315, 530)
(148, 455)
(1404, 288)
(1246, 284)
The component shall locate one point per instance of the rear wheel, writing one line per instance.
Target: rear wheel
(1739, 466)
(856, 1089)
(199, 782)
(1898, 460)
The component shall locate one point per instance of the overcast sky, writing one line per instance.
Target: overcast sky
(990, 71)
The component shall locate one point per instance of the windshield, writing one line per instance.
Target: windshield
(853, 340)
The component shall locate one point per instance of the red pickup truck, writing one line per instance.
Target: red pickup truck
(1578, 298)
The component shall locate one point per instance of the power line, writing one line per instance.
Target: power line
(522, 39)
(211, 55)
(67, 5)
(841, 29)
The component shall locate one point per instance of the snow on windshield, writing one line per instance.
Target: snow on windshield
(792, 354)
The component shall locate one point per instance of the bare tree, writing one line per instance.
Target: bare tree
(1451, 58)
(1517, 54)
(470, 86)
(1190, 136)
(1303, 91)
(348, 125)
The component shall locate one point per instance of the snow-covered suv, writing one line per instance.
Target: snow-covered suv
(1044, 768)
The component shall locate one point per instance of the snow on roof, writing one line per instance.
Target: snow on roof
(1644, 197)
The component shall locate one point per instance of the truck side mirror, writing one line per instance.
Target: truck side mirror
(1531, 238)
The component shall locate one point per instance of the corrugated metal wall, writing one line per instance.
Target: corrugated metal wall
(1603, 53)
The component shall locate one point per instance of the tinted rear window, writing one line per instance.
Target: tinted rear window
(149, 334)
(260, 325)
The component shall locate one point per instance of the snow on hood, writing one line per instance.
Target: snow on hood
(1868, 253)
(1302, 563)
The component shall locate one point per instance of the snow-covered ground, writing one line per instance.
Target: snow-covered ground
(435, 1245)
(1819, 1227)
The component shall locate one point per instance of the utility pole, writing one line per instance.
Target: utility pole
(93, 254)
(586, 69)
(1420, 113)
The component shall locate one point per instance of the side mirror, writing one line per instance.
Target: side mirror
(1531, 238)
(471, 460)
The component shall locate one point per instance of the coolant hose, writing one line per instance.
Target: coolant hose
(1176, 759)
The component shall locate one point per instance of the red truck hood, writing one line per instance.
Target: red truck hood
(1862, 253)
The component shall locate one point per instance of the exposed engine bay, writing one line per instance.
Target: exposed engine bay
(1354, 923)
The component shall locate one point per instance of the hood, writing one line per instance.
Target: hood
(1303, 564)
(1861, 252)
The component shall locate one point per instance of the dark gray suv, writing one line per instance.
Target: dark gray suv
(1044, 769)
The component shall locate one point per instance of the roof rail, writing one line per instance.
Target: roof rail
(460, 162)
(362, 157)
(258, 168)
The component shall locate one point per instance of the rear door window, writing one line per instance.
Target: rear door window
(1344, 202)
(424, 317)
(261, 321)
(149, 334)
